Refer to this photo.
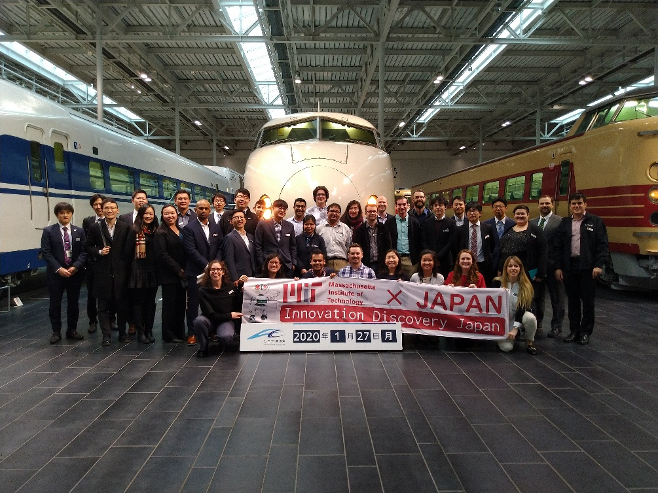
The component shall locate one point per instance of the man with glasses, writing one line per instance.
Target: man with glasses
(320, 196)
(242, 197)
(218, 202)
(481, 239)
(419, 212)
(337, 238)
(439, 235)
(297, 220)
(276, 236)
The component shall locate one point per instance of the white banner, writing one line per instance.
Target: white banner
(423, 309)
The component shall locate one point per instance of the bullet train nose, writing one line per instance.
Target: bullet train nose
(321, 172)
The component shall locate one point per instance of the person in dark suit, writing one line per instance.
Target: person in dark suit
(171, 256)
(242, 198)
(374, 239)
(107, 245)
(481, 239)
(406, 236)
(139, 199)
(202, 241)
(438, 235)
(382, 215)
(62, 247)
(549, 222)
(580, 251)
(95, 202)
(500, 221)
(277, 236)
(218, 202)
(240, 249)
(307, 242)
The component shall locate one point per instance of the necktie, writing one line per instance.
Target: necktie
(500, 228)
(474, 240)
(542, 222)
(277, 231)
(67, 247)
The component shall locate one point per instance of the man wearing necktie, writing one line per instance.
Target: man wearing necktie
(62, 247)
(500, 222)
(480, 238)
(549, 222)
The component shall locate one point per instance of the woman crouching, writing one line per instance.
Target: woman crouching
(219, 301)
(515, 280)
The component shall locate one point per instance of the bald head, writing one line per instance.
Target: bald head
(202, 210)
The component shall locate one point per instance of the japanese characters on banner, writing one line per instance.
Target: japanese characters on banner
(480, 313)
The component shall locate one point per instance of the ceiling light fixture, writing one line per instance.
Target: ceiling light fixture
(507, 123)
(298, 78)
(402, 124)
(461, 148)
(143, 75)
(198, 123)
(439, 79)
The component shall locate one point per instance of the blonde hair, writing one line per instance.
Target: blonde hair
(526, 292)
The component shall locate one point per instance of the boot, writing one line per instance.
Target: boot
(141, 337)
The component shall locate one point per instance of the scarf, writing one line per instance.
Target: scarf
(140, 243)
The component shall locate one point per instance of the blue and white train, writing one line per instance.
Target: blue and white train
(296, 153)
(49, 153)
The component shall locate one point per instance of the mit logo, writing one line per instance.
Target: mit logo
(299, 292)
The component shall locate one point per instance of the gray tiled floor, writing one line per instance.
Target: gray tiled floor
(452, 416)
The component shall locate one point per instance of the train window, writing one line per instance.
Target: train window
(535, 185)
(169, 188)
(60, 167)
(455, 193)
(604, 116)
(490, 191)
(199, 193)
(122, 180)
(149, 184)
(637, 109)
(36, 173)
(299, 131)
(96, 176)
(186, 186)
(514, 188)
(472, 193)
(335, 131)
(564, 177)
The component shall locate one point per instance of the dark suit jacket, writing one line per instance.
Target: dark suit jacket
(360, 236)
(250, 224)
(239, 259)
(127, 218)
(550, 229)
(171, 255)
(304, 251)
(112, 268)
(52, 249)
(439, 236)
(594, 251)
(200, 251)
(489, 241)
(415, 236)
(266, 243)
(87, 223)
(509, 223)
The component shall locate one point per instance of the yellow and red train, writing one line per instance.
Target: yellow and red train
(611, 155)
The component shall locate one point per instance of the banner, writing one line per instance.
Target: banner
(480, 313)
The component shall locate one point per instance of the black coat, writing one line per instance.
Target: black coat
(415, 236)
(239, 259)
(536, 255)
(360, 237)
(250, 223)
(171, 255)
(489, 241)
(304, 251)
(200, 250)
(112, 269)
(439, 236)
(593, 243)
(266, 243)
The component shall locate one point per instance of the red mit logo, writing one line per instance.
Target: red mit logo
(299, 292)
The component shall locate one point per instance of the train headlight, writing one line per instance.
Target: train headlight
(653, 195)
(372, 200)
(267, 210)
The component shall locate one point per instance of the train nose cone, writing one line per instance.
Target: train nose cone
(340, 185)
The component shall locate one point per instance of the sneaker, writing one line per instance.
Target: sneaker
(191, 341)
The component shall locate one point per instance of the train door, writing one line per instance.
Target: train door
(37, 179)
(566, 183)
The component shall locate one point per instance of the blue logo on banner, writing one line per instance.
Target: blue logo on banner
(269, 333)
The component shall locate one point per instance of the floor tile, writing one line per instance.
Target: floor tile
(322, 474)
(416, 476)
(582, 473)
(162, 474)
(480, 472)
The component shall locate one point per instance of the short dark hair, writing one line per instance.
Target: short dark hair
(237, 211)
(316, 252)
(334, 205)
(457, 198)
(63, 206)
(309, 217)
(299, 199)
(108, 199)
(320, 187)
(577, 195)
(499, 199)
(427, 252)
(354, 244)
(95, 198)
(399, 198)
(218, 195)
(138, 191)
(280, 203)
(439, 200)
(243, 191)
(260, 202)
(546, 195)
(474, 205)
(522, 206)
(182, 191)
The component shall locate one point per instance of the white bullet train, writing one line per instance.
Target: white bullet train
(49, 153)
(296, 153)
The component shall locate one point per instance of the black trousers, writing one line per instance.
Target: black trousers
(192, 303)
(92, 311)
(580, 288)
(142, 301)
(556, 291)
(57, 286)
(110, 304)
(173, 311)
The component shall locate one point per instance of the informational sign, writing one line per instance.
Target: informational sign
(328, 303)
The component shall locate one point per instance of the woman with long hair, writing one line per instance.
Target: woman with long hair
(273, 267)
(515, 280)
(219, 301)
(142, 278)
(171, 256)
(428, 270)
(466, 272)
(392, 268)
(353, 215)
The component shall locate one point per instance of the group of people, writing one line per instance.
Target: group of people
(202, 257)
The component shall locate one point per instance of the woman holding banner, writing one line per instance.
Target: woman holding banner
(466, 272)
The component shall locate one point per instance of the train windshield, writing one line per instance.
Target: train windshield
(630, 109)
(336, 131)
(292, 132)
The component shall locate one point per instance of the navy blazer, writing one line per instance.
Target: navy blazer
(127, 218)
(550, 230)
(200, 250)
(414, 233)
(250, 223)
(111, 270)
(52, 248)
(239, 259)
(266, 243)
(509, 223)
(489, 241)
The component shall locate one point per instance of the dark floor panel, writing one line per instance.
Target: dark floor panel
(364, 479)
(480, 472)
(59, 475)
(630, 470)
(115, 470)
(322, 474)
(536, 477)
(416, 477)
(162, 474)
(582, 473)
(281, 470)
(239, 474)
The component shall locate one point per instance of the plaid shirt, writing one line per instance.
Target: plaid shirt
(362, 271)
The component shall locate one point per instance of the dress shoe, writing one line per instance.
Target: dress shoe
(141, 337)
(55, 338)
(584, 339)
(554, 333)
(213, 337)
(531, 349)
(572, 337)
(150, 337)
(131, 329)
(124, 338)
(92, 327)
(201, 353)
(106, 341)
(74, 336)
(191, 341)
